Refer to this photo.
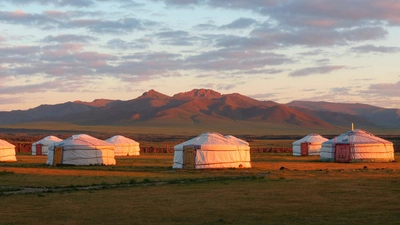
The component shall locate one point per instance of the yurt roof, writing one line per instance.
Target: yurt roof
(119, 139)
(82, 140)
(311, 138)
(48, 140)
(237, 140)
(5, 144)
(358, 136)
(210, 140)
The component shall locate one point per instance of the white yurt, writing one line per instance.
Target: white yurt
(308, 145)
(124, 146)
(357, 145)
(82, 149)
(7, 152)
(212, 150)
(41, 147)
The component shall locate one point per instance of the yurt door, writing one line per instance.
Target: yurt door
(342, 153)
(188, 157)
(58, 155)
(304, 148)
(39, 149)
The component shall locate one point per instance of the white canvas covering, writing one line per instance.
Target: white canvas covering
(314, 144)
(213, 150)
(7, 152)
(124, 146)
(83, 149)
(45, 142)
(364, 146)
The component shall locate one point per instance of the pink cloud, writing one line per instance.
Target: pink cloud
(19, 13)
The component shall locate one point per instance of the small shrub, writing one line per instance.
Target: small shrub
(132, 181)
(5, 172)
(146, 180)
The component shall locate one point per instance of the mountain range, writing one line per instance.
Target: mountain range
(202, 106)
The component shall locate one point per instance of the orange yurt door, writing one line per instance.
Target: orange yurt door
(304, 149)
(188, 157)
(342, 153)
(58, 156)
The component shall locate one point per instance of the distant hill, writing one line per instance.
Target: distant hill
(342, 112)
(205, 106)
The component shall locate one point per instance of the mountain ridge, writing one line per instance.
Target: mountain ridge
(200, 106)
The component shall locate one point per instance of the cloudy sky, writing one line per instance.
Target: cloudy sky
(55, 51)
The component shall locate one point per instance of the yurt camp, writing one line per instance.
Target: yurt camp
(7, 152)
(124, 146)
(82, 149)
(357, 145)
(212, 150)
(308, 145)
(41, 147)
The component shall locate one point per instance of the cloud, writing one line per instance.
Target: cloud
(373, 48)
(19, 51)
(341, 90)
(312, 53)
(93, 22)
(52, 60)
(30, 88)
(241, 23)
(124, 25)
(120, 44)
(227, 60)
(384, 89)
(263, 96)
(309, 90)
(315, 70)
(28, 19)
(178, 38)
(226, 86)
(59, 3)
(63, 38)
(262, 71)
(180, 3)
(205, 26)
(144, 65)
(317, 37)
(310, 13)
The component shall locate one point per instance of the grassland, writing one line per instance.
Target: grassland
(278, 189)
(171, 127)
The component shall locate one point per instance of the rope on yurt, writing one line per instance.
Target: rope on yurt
(351, 145)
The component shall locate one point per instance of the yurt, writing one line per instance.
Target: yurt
(308, 145)
(7, 152)
(124, 146)
(82, 149)
(212, 150)
(357, 145)
(41, 147)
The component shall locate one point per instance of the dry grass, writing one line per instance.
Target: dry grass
(279, 189)
(176, 128)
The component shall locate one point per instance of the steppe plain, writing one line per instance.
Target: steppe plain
(278, 189)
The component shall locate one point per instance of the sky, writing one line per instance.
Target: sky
(55, 51)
